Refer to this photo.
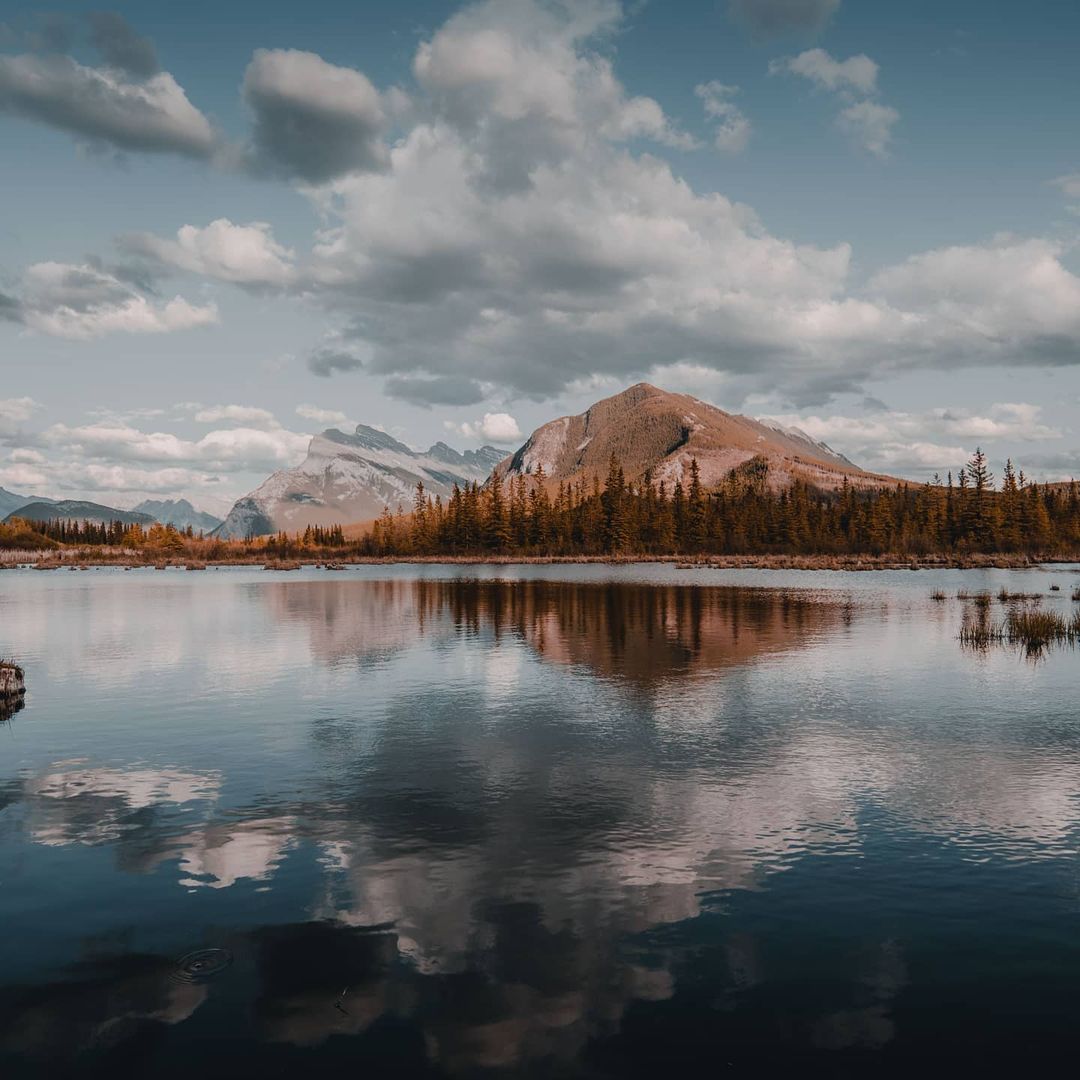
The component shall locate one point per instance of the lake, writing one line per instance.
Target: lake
(582, 821)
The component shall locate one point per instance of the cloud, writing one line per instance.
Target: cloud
(330, 360)
(10, 308)
(242, 254)
(435, 390)
(121, 47)
(911, 442)
(313, 120)
(771, 18)
(86, 301)
(326, 417)
(493, 428)
(105, 106)
(857, 73)
(869, 125)
(230, 450)
(14, 412)
(867, 122)
(1070, 188)
(243, 415)
(732, 130)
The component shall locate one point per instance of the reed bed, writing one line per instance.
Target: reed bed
(938, 595)
(1033, 631)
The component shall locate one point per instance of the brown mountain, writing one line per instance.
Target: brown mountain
(648, 428)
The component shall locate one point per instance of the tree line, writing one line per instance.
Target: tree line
(745, 514)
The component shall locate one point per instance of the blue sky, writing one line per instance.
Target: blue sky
(456, 221)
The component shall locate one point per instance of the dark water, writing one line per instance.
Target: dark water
(599, 823)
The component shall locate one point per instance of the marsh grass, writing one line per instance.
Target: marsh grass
(1032, 631)
(938, 595)
(1076, 594)
(10, 665)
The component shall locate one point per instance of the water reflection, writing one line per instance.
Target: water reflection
(509, 837)
(642, 633)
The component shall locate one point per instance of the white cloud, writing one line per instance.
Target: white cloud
(242, 254)
(1070, 188)
(867, 122)
(326, 417)
(732, 130)
(26, 456)
(869, 125)
(911, 442)
(242, 415)
(229, 450)
(856, 73)
(493, 428)
(14, 412)
(85, 301)
(105, 105)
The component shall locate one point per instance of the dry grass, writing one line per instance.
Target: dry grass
(1032, 631)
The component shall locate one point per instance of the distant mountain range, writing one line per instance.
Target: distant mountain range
(349, 478)
(10, 502)
(179, 513)
(651, 429)
(78, 510)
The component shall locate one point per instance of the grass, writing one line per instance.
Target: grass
(1033, 631)
(10, 665)
(937, 595)
(1076, 594)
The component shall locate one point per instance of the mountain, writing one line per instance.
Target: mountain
(77, 510)
(178, 512)
(347, 478)
(648, 428)
(10, 502)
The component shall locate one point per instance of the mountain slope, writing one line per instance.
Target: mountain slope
(179, 513)
(77, 510)
(347, 478)
(648, 428)
(10, 502)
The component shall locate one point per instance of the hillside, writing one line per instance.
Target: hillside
(347, 478)
(648, 428)
(78, 510)
(10, 502)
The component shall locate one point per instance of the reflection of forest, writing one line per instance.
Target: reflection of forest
(644, 633)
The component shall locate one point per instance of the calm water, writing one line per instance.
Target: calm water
(582, 821)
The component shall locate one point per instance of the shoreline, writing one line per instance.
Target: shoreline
(78, 560)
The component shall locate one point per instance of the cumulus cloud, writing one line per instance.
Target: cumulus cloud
(121, 47)
(770, 18)
(857, 73)
(326, 417)
(241, 415)
(86, 301)
(228, 449)
(313, 120)
(913, 442)
(732, 129)
(105, 106)
(14, 412)
(243, 254)
(493, 428)
(869, 125)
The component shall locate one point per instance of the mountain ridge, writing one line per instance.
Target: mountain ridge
(347, 478)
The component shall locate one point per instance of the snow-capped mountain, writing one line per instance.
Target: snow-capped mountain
(348, 478)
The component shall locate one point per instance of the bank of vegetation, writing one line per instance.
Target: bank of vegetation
(968, 521)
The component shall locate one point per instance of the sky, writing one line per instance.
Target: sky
(225, 227)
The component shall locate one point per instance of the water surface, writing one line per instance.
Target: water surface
(578, 821)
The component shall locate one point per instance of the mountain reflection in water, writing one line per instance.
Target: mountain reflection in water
(543, 828)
